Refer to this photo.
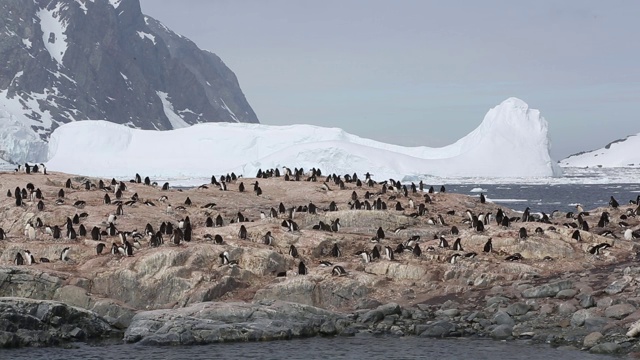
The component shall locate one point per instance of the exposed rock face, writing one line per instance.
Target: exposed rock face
(28, 322)
(222, 322)
(68, 60)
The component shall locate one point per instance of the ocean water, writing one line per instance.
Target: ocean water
(335, 348)
(547, 198)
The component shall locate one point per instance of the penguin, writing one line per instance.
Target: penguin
(225, 259)
(457, 245)
(338, 271)
(613, 203)
(416, 251)
(482, 199)
(388, 252)
(165, 186)
(443, 242)
(219, 221)
(380, 233)
(366, 256)
(335, 251)
(488, 246)
(40, 205)
(267, 239)
(335, 225)
(99, 248)
(208, 222)
(375, 253)
(302, 269)
(293, 251)
(522, 233)
(324, 263)
(218, 239)
(479, 226)
(95, 233)
(177, 236)
(595, 250)
(576, 236)
(64, 255)
(454, 230)
(44, 259)
(242, 234)
(18, 260)
(128, 248)
(514, 257)
(31, 232)
(241, 187)
(454, 258)
(29, 257)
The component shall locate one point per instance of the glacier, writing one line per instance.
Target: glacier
(619, 153)
(511, 142)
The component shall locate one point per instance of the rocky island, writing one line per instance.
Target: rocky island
(298, 253)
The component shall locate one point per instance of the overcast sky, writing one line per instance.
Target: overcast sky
(419, 72)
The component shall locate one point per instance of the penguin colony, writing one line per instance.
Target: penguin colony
(76, 216)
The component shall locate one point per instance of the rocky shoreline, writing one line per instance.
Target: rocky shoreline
(559, 291)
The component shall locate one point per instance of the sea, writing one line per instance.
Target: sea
(591, 189)
(334, 348)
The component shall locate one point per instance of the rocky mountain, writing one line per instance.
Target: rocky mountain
(71, 60)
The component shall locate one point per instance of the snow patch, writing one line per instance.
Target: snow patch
(144, 35)
(176, 120)
(27, 43)
(53, 28)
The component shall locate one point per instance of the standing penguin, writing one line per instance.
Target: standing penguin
(302, 269)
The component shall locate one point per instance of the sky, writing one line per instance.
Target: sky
(421, 72)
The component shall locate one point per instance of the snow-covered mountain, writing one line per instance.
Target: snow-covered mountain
(71, 60)
(511, 141)
(618, 153)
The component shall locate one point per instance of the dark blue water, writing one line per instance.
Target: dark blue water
(546, 198)
(355, 348)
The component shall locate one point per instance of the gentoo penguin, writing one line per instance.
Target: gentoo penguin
(380, 233)
(416, 251)
(595, 250)
(30, 232)
(177, 236)
(514, 257)
(218, 239)
(3, 236)
(241, 187)
(454, 258)
(576, 235)
(95, 233)
(488, 246)
(18, 260)
(366, 256)
(324, 263)
(67, 184)
(219, 221)
(99, 248)
(338, 271)
(128, 248)
(64, 255)
(293, 251)
(522, 233)
(302, 269)
(375, 253)
(457, 245)
(242, 234)
(165, 186)
(335, 251)
(443, 242)
(325, 187)
(225, 259)
(335, 225)
(267, 239)
(44, 260)
(613, 203)
(454, 230)
(29, 257)
(482, 198)
(388, 252)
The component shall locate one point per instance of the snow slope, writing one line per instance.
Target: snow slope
(510, 142)
(619, 153)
